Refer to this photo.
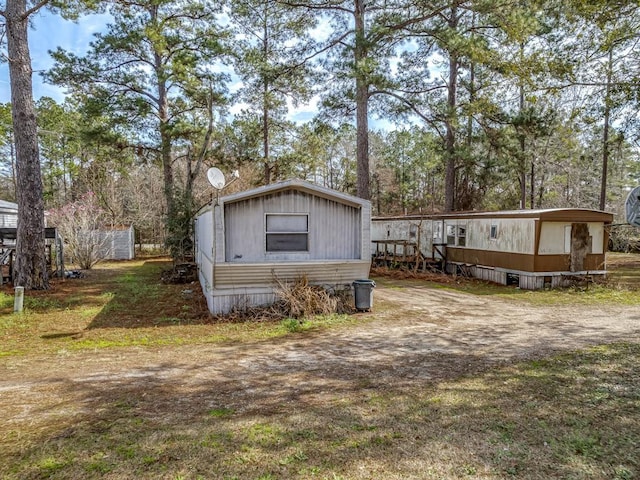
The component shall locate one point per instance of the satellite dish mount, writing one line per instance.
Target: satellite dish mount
(632, 207)
(217, 180)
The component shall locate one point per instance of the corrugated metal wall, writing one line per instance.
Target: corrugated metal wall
(205, 253)
(334, 228)
(419, 231)
(513, 235)
(240, 285)
(117, 244)
(8, 219)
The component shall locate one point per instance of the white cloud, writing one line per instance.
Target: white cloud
(322, 31)
(48, 33)
(237, 108)
(303, 112)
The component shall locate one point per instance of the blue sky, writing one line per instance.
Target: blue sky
(51, 31)
(47, 33)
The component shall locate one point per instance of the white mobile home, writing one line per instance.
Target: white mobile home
(245, 241)
(531, 248)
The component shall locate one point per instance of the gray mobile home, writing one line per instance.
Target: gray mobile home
(245, 241)
(531, 248)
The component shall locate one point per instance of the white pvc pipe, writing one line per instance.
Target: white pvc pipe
(18, 301)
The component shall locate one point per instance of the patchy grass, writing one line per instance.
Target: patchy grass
(123, 305)
(572, 416)
(620, 288)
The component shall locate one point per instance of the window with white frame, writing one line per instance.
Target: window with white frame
(462, 235)
(287, 232)
(451, 235)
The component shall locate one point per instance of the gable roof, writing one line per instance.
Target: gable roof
(299, 185)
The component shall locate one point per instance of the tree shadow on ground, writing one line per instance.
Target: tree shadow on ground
(139, 299)
(563, 417)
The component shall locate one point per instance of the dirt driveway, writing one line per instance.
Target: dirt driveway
(417, 334)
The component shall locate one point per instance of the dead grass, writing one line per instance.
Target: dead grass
(620, 287)
(126, 304)
(575, 416)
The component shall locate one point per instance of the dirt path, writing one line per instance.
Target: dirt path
(421, 334)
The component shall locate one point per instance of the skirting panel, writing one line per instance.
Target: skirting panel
(524, 280)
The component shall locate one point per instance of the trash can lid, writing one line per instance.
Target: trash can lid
(364, 282)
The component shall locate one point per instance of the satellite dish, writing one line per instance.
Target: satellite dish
(216, 178)
(632, 207)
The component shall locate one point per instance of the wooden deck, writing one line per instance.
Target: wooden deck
(406, 255)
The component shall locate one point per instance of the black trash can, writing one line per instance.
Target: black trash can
(363, 294)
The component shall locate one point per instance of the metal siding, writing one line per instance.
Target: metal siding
(334, 228)
(8, 220)
(398, 229)
(365, 244)
(115, 244)
(531, 282)
(488, 258)
(122, 244)
(555, 238)
(513, 235)
(235, 270)
(599, 243)
(205, 253)
(234, 275)
(240, 285)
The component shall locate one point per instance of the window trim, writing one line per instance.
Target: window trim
(272, 234)
(461, 235)
(450, 230)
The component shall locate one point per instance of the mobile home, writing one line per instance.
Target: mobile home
(246, 242)
(8, 214)
(531, 248)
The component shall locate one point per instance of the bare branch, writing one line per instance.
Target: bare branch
(34, 9)
(413, 108)
(321, 6)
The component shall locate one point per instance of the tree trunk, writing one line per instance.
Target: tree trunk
(605, 133)
(450, 169)
(265, 106)
(14, 180)
(31, 266)
(523, 156)
(265, 143)
(362, 104)
(165, 152)
(173, 230)
(532, 193)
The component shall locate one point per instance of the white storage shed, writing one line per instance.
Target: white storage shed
(118, 243)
